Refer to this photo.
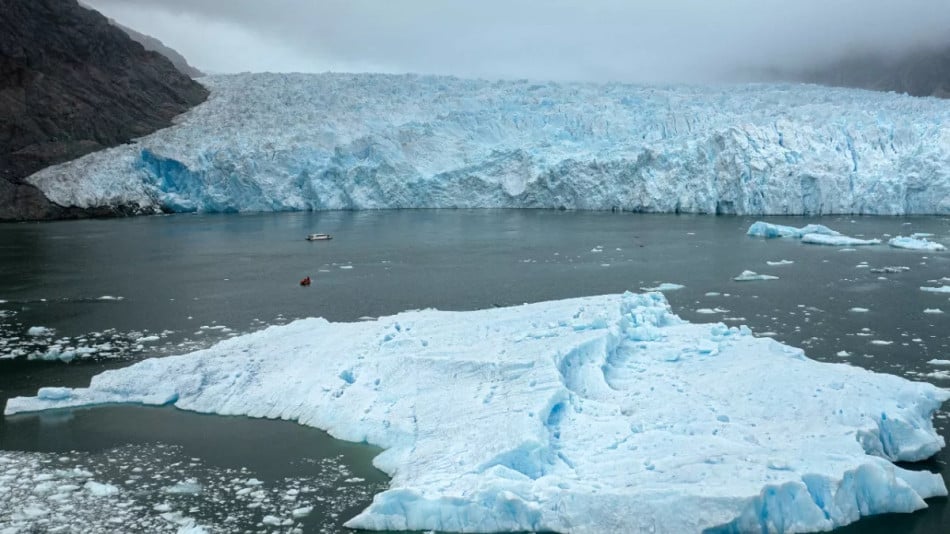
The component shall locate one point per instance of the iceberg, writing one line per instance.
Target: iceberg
(269, 142)
(769, 230)
(915, 243)
(816, 234)
(941, 289)
(837, 240)
(596, 414)
(665, 286)
(752, 276)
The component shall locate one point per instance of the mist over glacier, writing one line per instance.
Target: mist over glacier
(270, 142)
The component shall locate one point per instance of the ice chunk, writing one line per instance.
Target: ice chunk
(915, 243)
(890, 269)
(750, 276)
(543, 426)
(933, 310)
(859, 310)
(665, 286)
(941, 289)
(779, 262)
(276, 142)
(769, 230)
(837, 240)
(98, 489)
(38, 331)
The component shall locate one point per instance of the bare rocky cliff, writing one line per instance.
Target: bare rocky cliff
(922, 72)
(153, 44)
(72, 83)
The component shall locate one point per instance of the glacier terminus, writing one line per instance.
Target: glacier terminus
(272, 142)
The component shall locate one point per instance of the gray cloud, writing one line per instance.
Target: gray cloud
(648, 40)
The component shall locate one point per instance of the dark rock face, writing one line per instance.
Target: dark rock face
(71, 83)
(923, 72)
(153, 44)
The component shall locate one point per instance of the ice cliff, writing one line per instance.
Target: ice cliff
(598, 414)
(367, 141)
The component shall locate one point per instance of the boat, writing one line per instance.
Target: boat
(319, 237)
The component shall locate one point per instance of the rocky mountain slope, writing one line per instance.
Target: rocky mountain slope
(922, 72)
(71, 83)
(153, 44)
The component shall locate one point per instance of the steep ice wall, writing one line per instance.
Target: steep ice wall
(366, 141)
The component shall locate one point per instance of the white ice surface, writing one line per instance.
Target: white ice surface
(940, 289)
(599, 414)
(770, 230)
(752, 276)
(837, 240)
(915, 243)
(665, 286)
(362, 141)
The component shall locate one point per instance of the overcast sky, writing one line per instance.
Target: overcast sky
(600, 40)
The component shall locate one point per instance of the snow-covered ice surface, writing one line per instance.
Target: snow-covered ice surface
(915, 243)
(362, 141)
(583, 415)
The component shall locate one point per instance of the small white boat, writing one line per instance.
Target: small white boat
(319, 237)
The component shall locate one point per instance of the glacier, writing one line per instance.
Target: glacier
(593, 414)
(268, 142)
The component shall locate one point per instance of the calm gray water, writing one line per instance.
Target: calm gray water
(186, 281)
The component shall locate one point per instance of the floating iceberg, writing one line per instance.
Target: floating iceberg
(769, 230)
(837, 240)
(816, 234)
(941, 289)
(665, 286)
(267, 142)
(915, 243)
(751, 276)
(598, 414)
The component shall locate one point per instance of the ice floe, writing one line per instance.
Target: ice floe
(665, 286)
(837, 240)
(751, 276)
(584, 415)
(769, 230)
(915, 243)
(941, 289)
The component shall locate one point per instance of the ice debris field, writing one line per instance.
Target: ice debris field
(46, 492)
(267, 142)
(596, 414)
(817, 234)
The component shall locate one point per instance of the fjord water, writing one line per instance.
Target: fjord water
(193, 279)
